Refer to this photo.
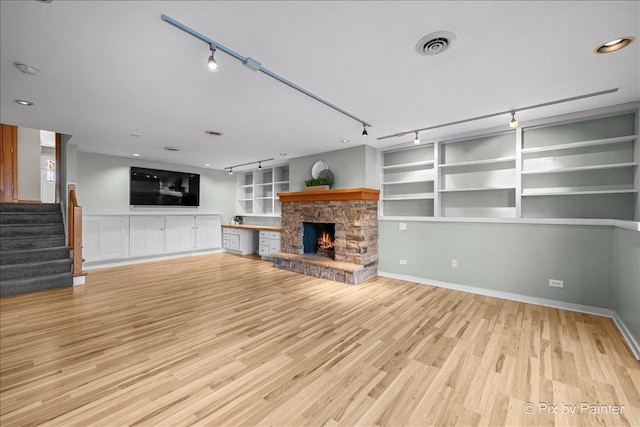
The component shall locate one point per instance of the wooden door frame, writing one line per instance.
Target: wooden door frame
(13, 142)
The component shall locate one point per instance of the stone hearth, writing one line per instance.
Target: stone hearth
(355, 214)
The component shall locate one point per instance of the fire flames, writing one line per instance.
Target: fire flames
(324, 242)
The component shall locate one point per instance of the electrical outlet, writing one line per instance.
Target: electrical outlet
(556, 283)
(403, 262)
(548, 159)
(402, 226)
(454, 263)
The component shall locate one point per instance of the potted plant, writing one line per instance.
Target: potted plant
(238, 219)
(318, 183)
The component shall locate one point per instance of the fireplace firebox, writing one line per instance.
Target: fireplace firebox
(319, 238)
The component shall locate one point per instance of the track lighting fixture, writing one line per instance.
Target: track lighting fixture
(416, 140)
(364, 130)
(212, 65)
(259, 162)
(500, 113)
(514, 122)
(254, 65)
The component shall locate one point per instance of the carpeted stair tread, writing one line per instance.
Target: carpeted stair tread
(7, 218)
(29, 207)
(33, 284)
(23, 256)
(31, 242)
(13, 230)
(33, 251)
(34, 269)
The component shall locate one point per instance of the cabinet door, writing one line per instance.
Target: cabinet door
(180, 233)
(234, 242)
(146, 235)
(208, 234)
(104, 237)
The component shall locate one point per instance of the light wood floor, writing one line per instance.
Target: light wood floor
(228, 340)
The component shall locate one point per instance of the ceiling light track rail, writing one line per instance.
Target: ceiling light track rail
(512, 112)
(259, 162)
(257, 66)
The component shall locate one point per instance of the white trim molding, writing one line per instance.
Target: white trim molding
(119, 263)
(605, 312)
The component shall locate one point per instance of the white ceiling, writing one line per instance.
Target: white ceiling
(113, 68)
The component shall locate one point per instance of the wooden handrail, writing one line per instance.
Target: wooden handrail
(74, 226)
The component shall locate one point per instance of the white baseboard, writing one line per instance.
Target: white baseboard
(605, 312)
(626, 334)
(78, 280)
(121, 263)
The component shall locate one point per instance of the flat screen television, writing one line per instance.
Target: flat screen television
(163, 188)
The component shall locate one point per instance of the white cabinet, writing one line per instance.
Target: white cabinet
(105, 237)
(112, 237)
(207, 231)
(146, 235)
(269, 243)
(240, 241)
(180, 233)
(189, 232)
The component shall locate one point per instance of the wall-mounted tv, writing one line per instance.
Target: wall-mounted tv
(163, 188)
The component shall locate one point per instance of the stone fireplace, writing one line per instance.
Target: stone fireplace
(332, 234)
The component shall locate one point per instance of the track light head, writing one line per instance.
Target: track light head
(230, 171)
(364, 130)
(212, 65)
(514, 122)
(416, 140)
(259, 165)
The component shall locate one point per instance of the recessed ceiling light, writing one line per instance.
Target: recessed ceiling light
(26, 69)
(136, 135)
(44, 1)
(207, 164)
(344, 141)
(213, 132)
(23, 102)
(172, 148)
(135, 154)
(613, 45)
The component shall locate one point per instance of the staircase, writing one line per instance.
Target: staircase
(33, 253)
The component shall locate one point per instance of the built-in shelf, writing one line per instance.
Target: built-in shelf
(407, 182)
(531, 193)
(592, 161)
(417, 197)
(460, 190)
(257, 190)
(409, 165)
(479, 162)
(581, 168)
(580, 144)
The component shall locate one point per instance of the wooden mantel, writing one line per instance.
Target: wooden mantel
(326, 195)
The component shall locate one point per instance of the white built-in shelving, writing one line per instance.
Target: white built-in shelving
(583, 169)
(257, 190)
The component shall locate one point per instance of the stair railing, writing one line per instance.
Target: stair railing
(74, 227)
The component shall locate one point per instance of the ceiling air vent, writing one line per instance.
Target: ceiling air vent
(435, 43)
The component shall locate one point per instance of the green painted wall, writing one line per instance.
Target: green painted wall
(626, 258)
(103, 186)
(516, 258)
(349, 166)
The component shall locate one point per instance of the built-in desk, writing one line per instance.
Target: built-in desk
(245, 239)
